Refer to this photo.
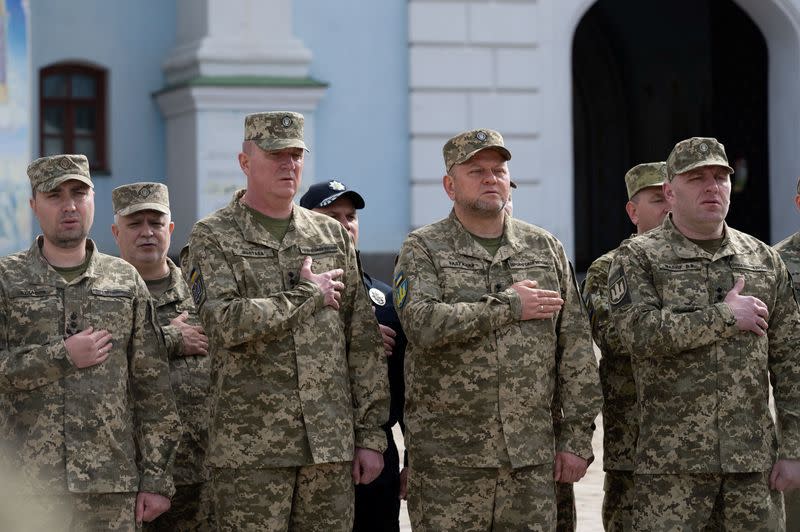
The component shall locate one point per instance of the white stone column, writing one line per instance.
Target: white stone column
(224, 66)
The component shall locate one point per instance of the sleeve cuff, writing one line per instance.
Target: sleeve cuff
(160, 485)
(514, 303)
(174, 340)
(727, 318)
(371, 439)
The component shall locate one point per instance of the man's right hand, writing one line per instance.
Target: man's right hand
(326, 281)
(88, 347)
(537, 304)
(751, 313)
(195, 342)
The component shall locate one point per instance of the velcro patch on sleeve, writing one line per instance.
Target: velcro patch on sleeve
(618, 293)
(400, 290)
(197, 287)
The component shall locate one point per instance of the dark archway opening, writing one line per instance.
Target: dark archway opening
(648, 74)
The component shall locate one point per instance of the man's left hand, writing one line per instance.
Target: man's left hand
(569, 467)
(367, 465)
(149, 506)
(388, 334)
(785, 475)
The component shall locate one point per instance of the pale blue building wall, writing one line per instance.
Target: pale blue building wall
(131, 40)
(362, 133)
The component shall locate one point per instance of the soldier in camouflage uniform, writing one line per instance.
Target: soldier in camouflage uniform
(789, 250)
(709, 318)
(646, 208)
(142, 229)
(493, 319)
(86, 411)
(566, 515)
(298, 376)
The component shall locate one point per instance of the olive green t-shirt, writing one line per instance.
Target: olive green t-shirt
(710, 246)
(489, 244)
(157, 287)
(73, 272)
(276, 227)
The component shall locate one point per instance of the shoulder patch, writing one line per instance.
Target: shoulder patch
(197, 287)
(618, 290)
(400, 290)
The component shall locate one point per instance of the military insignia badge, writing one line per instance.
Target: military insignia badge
(335, 185)
(286, 121)
(481, 136)
(400, 290)
(703, 147)
(618, 290)
(144, 191)
(197, 287)
(377, 297)
(65, 163)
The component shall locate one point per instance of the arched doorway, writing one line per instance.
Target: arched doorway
(640, 87)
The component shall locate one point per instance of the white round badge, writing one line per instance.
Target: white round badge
(377, 297)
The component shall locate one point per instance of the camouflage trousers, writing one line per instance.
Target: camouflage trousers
(618, 501)
(464, 499)
(565, 508)
(792, 501)
(313, 498)
(73, 512)
(189, 512)
(707, 502)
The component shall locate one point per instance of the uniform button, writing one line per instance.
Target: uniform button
(498, 287)
(291, 275)
(73, 316)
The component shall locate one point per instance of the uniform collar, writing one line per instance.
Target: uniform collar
(686, 249)
(254, 232)
(466, 245)
(43, 273)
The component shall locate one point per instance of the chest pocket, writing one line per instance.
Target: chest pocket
(535, 268)
(323, 257)
(682, 285)
(29, 305)
(462, 279)
(759, 280)
(257, 271)
(111, 309)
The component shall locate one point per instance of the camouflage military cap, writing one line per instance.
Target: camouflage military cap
(463, 146)
(645, 175)
(136, 197)
(696, 152)
(46, 173)
(275, 130)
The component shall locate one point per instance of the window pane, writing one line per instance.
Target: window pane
(53, 120)
(83, 86)
(55, 86)
(84, 119)
(86, 147)
(52, 146)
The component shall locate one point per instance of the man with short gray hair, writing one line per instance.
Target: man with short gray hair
(142, 229)
(86, 411)
(298, 376)
(708, 316)
(494, 319)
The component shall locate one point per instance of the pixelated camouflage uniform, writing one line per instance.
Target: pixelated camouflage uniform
(789, 250)
(703, 385)
(189, 376)
(480, 382)
(619, 400)
(293, 381)
(82, 430)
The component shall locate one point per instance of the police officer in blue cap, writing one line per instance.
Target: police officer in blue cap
(377, 505)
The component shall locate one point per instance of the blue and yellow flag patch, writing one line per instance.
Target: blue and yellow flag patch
(197, 287)
(400, 290)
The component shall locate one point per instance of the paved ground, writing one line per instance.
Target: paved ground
(588, 492)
